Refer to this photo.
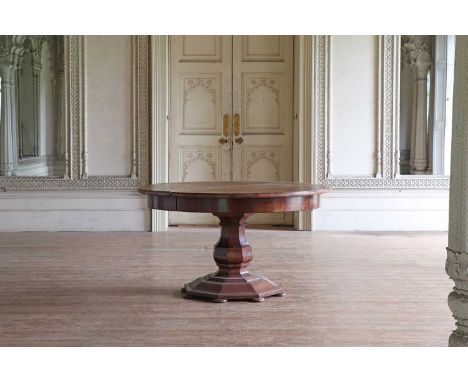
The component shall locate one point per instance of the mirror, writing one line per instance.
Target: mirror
(32, 115)
(426, 96)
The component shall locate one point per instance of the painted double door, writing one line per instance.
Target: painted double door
(231, 113)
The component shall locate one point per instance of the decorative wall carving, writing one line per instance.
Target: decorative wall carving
(75, 132)
(267, 161)
(387, 160)
(208, 158)
(266, 89)
(199, 95)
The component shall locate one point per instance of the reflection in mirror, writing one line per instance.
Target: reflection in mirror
(32, 118)
(426, 92)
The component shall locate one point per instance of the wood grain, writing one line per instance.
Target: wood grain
(234, 189)
(123, 289)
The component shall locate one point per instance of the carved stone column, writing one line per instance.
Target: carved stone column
(430, 119)
(8, 128)
(457, 251)
(36, 70)
(420, 55)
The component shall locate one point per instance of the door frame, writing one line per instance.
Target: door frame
(303, 123)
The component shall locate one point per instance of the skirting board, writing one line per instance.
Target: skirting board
(382, 211)
(73, 211)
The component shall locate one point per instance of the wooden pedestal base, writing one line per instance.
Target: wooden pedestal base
(232, 281)
(221, 289)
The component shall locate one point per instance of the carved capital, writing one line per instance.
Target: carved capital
(5, 49)
(418, 50)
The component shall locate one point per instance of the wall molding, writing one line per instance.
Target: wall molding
(378, 173)
(388, 123)
(159, 122)
(75, 174)
(303, 144)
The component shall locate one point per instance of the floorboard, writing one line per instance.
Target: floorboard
(123, 289)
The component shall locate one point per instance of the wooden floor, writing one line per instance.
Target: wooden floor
(123, 289)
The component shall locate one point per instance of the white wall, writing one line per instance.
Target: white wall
(361, 210)
(108, 71)
(353, 104)
(73, 211)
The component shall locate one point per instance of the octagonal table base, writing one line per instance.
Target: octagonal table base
(232, 253)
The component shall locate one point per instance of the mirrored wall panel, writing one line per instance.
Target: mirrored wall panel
(32, 107)
(426, 96)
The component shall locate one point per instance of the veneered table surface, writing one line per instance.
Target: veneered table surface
(234, 189)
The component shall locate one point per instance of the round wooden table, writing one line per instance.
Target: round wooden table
(233, 203)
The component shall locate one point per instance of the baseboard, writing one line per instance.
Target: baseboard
(73, 211)
(382, 211)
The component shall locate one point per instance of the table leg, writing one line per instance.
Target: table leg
(232, 253)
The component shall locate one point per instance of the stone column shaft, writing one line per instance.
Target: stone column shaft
(419, 160)
(457, 251)
(418, 49)
(8, 128)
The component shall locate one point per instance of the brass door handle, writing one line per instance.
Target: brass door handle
(239, 140)
(226, 124)
(223, 140)
(236, 124)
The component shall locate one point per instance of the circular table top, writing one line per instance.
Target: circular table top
(234, 189)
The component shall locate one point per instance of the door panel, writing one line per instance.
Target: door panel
(231, 113)
(263, 99)
(201, 83)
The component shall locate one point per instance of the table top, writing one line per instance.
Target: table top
(234, 189)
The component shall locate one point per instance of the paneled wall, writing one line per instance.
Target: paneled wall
(353, 104)
(356, 143)
(107, 141)
(108, 62)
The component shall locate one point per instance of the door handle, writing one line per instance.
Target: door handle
(226, 124)
(236, 124)
(239, 140)
(223, 140)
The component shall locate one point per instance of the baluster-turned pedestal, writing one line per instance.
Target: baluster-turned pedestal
(232, 253)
